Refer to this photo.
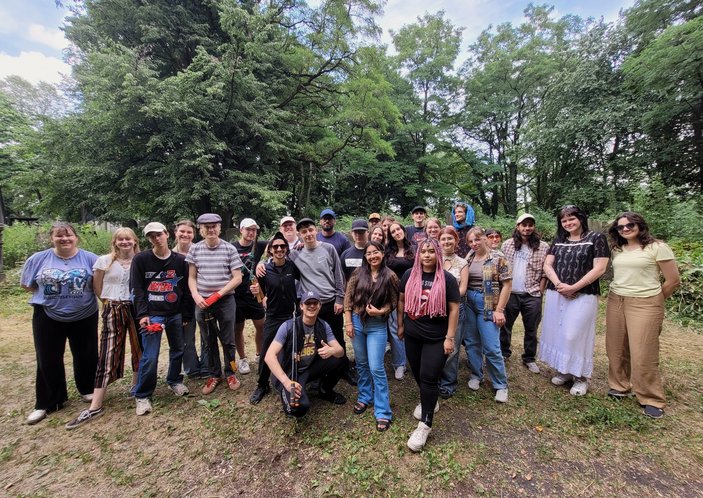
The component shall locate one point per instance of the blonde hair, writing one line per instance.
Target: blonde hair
(121, 232)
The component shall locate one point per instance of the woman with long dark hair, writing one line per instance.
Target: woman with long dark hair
(573, 266)
(377, 234)
(372, 293)
(428, 312)
(61, 282)
(636, 311)
(400, 256)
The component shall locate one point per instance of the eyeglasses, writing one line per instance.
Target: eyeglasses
(279, 246)
(629, 226)
(493, 236)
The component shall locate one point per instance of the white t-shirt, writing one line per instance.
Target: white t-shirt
(116, 279)
(522, 257)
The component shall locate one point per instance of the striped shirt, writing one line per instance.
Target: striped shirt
(214, 265)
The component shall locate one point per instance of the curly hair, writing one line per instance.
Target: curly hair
(643, 236)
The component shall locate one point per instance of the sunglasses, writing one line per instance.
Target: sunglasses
(279, 246)
(629, 226)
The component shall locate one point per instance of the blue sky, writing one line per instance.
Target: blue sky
(31, 41)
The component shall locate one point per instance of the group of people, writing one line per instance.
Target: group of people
(427, 289)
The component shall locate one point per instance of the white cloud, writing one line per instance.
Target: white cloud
(51, 37)
(34, 67)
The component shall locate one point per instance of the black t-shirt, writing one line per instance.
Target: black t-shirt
(351, 260)
(424, 327)
(399, 265)
(249, 259)
(573, 259)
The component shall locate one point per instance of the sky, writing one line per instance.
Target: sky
(32, 43)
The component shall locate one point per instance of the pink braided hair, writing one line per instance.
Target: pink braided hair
(437, 302)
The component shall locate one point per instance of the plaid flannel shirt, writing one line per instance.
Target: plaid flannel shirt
(535, 265)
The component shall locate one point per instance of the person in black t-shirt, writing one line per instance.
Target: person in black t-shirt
(428, 313)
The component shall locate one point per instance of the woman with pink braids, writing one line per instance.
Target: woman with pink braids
(428, 312)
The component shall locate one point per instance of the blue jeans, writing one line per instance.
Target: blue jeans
(193, 365)
(215, 322)
(397, 346)
(483, 338)
(448, 382)
(146, 379)
(369, 347)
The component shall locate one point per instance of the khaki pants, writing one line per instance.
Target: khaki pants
(633, 325)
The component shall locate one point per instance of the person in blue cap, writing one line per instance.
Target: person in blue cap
(328, 219)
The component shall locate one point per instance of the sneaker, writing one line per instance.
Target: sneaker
(501, 396)
(580, 387)
(87, 398)
(210, 385)
(258, 394)
(653, 411)
(614, 393)
(143, 406)
(179, 389)
(474, 383)
(36, 416)
(233, 382)
(399, 372)
(243, 366)
(85, 416)
(417, 413)
(532, 367)
(419, 437)
(560, 379)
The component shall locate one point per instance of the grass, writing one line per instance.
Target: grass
(543, 441)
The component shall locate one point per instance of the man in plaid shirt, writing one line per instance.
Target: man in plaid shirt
(526, 253)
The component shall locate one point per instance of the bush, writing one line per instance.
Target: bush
(21, 241)
(687, 302)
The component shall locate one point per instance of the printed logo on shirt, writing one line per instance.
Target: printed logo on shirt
(54, 280)
(162, 275)
(164, 286)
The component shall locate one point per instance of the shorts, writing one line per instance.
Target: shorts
(249, 310)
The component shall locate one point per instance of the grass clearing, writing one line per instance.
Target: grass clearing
(543, 441)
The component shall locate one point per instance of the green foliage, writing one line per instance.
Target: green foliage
(687, 301)
(667, 214)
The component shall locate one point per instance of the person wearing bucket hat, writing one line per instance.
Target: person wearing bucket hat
(250, 250)
(416, 231)
(328, 219)
(525, 252)
(214, 273)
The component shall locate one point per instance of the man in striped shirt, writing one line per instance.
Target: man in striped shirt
(214, 273)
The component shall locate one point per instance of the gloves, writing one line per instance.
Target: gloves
(214, 297)
(154, 328)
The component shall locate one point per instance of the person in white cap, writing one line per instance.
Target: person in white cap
(287, 228)
(162, 302)
(214, 273)
(525, 252)
(250, 250)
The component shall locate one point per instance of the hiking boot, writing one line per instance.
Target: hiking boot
(84, 417)
(560, 379)
(179, 389)
(210, 385)
(233, 382)
(36, 416)
(419, 437)
(532, 367)
(143, 406)
(243, 366)
(417, 413)
(258, 394)
(580, 386)
(501, 395)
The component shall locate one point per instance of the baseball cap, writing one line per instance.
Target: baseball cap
(209, 218)
(286, 219)
(359, 225)
(327, 212)
(524, 217)
(304, 222)
(374, 216)
(154, 227)
(310, 295)
(418, 208)
(248, 223)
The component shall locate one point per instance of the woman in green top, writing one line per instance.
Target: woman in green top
(636, 311)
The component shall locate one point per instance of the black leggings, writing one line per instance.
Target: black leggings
(426, 361)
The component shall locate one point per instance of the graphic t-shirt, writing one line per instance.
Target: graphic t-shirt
(421, 326)
(351, 260)
(309, 349)
(250, 256)
(573, 259)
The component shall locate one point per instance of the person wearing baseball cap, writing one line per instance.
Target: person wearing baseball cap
(214, 273)
(287, 228)
(526, 253)
(416, 231)
(162, 302)
(374, 219)
(309, 352)
(328, 219)
(352, 257)
(249, 307)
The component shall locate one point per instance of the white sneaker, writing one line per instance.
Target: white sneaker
(419, 437)
(418, 410)
(399, 372)
(179, 389)
(560, 379)
(502, 396)
(243, 366)
(36, 416)
(580, 387)
(143, 406)
(87, 398)
(532, 367)
(474, 384)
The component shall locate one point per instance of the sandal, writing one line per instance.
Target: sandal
(382, 425)
(360, 407)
